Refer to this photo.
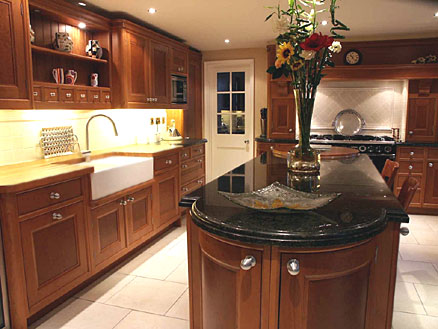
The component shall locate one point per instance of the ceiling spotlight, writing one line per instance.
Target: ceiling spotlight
(82, 25)
(227, 40)
(152, 10)
(324, 22)
(436, 14)
(82, 4)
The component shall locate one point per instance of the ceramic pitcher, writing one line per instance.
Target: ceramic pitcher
(70, 77)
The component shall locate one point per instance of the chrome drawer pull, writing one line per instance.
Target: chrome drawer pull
(35, 93)
(430, 165)
(200, 160)
(123, 202)
(68, 95)
(411, 167)
(131, 199)
(169, 162)
(184, 166)
(82, 95)
(107, 97)
(185, 155)
(55, 195)
(404, 231)
(412, 153)
(293, 267)
(96, 96)
(200, 181)
(185, 189)
(52, 94)
(56, 216)
(411, 132)
(248, 263)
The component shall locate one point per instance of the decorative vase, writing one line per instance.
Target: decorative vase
(304, 159)
(63, 42)
(93, 49)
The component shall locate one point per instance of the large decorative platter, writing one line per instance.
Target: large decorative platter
(280, 198)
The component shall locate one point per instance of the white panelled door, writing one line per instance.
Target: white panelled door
(229, 113)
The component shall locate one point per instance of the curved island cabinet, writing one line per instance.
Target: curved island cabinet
(332, 268)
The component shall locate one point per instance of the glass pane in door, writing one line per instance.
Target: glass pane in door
(238, 124)
(223, 103)
(238, 102)
(238, 81)
(223, 124)
(223, 81)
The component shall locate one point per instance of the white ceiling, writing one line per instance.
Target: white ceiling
(205, 24)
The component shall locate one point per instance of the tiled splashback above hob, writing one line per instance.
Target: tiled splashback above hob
(382, 104)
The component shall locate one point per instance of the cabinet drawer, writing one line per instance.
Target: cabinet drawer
(51, 94)
(192, 186)
(197, 150)
(46, 196)
(94, 96)
(432, 154)
(165, 162)
(185, 154)
(407, 167)
(106, 97)
(192, 169)
(81, 96)
(37, 94)
(411, 152)
(67, 95)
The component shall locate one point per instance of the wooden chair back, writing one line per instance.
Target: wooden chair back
(389, 172)
(407, 191)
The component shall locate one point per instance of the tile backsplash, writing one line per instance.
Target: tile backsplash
(20, 129)
(382, 104)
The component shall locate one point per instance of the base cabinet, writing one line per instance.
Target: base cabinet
(139, 215)
(168, 197)
(54, 251)
(234, 285)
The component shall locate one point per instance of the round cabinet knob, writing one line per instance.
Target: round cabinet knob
(291, 130)
(200, 182)
(430, 164)
(272, 148)
(411, 132)
(293, 267)
(200, 160)
(412, 153)
(411, 167)
(56, 216)
(82, 95)
(123, 202)
(68, 95)
(35, 93)
(131, 199)
(404, 231)
(248, 263)
(52, 94)
(55, 196)
(184, 166)
(169, 162)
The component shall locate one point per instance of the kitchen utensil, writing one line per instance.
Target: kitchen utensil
(348, 123)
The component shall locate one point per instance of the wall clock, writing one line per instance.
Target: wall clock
(353, 57)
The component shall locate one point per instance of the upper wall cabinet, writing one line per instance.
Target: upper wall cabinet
(143, 62)
(15, 75)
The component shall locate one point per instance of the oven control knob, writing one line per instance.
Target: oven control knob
(362, 148)
(388, 149)
(378, 149)
(370, 149)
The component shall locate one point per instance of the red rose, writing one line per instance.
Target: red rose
(316, 42)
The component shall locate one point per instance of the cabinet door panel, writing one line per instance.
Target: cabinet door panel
(139, 219)
(282, 118)
(226, 287)
(193, 113)
(160, 74)
(54, 251)
(167, 197)
(431, 187)
(331, 290)
(179, 61)
(421, 120)
(108, 231)
(138, 68)
(14, 78)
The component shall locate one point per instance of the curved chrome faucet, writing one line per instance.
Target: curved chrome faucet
(88, 123)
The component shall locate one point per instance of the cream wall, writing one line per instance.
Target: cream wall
(20, 129)
(260, 76)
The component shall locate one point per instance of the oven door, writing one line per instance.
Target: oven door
(379, 159)
(179, 90)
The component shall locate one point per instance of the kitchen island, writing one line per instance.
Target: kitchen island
(331, 268)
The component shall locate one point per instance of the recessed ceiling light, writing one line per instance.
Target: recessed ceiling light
(152, 10)
(82, 4)
(324, 22)
(227, 40)
(82, 25)
(436, 14)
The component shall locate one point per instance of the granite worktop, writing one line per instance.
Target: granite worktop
(362, 210)
(417, 144)
(24, 175)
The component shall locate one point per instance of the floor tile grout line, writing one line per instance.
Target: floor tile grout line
(419, 297)
(175, 302)
(122, 319)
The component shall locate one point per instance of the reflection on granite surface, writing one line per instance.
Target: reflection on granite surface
(362, 211)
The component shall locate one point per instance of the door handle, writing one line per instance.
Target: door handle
(246, 141)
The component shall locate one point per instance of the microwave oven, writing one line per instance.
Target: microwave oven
(179, 89)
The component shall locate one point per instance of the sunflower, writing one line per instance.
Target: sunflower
(297, 65)
(284, 53)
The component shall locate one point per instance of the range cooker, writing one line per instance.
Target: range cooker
(378, 148)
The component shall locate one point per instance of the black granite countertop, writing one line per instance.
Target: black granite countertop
(362, 211)
(419, 144)
(189, 142)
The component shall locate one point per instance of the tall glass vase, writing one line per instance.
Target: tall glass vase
(304, 159)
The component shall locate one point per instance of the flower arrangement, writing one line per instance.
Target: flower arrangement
(303, 53)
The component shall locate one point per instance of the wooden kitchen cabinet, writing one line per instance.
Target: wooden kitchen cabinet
(108, 232)
(139, 215)
(193, 113)
(54, 251)
(431, 188)
(160, 73)
(137, 68)
(421, 120)
(329, 290)
(167, 197)
(15, 77)
(179, 61)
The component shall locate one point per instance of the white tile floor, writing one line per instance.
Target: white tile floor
(149, 291)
